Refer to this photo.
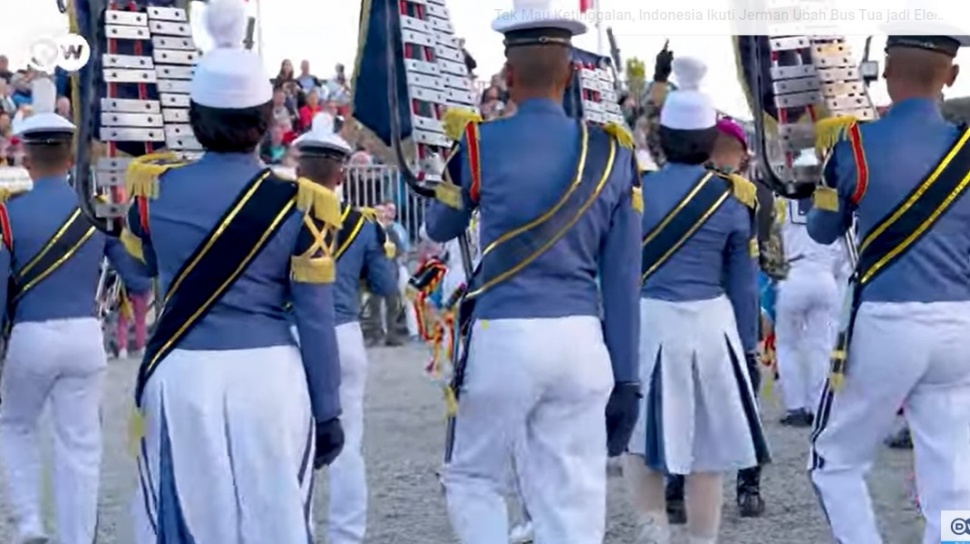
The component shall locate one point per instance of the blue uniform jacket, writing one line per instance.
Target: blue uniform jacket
(251, 314)
(364, 260)
(68, 292)
(899, 152)
(527, 163)
(715, 261)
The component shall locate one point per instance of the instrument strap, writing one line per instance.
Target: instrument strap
(215, 265)
(700, 203)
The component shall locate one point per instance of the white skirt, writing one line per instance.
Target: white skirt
(699, 412)
(228, 449)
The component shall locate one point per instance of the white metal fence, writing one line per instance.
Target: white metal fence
(373, 185)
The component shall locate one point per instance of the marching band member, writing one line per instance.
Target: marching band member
(808, 302)
(699, 315)
(904, 341)
(363, 252)
(236, 416)
(729, 156)
(539, 358)
(56, 349)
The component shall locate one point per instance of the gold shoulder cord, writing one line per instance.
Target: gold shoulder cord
(322, 218)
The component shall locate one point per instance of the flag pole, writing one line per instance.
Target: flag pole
(599, 27)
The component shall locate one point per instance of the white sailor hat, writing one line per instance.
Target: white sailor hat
(44, 125)
(535, 22)
(229, 76)
(323, 139)
(687, 108)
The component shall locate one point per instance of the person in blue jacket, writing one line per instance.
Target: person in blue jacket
(235, 416)
(362, 252)
(551, 380)
(49, 265)
(699, 322)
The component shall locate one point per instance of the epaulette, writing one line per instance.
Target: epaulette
(620, 133)
(370, 214)
(743, 190)
(322, 218)
(456, 119)
(831, 131)
(318, 201)
(141, 177)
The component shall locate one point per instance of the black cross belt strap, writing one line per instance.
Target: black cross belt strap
(677, 227)
(66, 241)
(215, 265)
(899, 231)
(352, 223)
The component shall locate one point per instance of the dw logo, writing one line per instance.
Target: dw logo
(954, 526)
(69, 51)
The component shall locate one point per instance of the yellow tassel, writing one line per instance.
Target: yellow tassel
(781, 211)
(307, 269)
(837, 380)
(456, 119)
(136, 431)
(390, 250)
(369, 213)
(744, 190)
(448, 194)
(620, 134)
(132, 244)
(141, 178)
(826, 199)
(451, 401)
(318, 201)
(5, 195)
(636, 199)
(830, 131)
(753, 248)
(768, 386)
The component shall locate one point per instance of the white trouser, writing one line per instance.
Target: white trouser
(62, 361)
(535, 389)
(348, 475)
(911, 354)
(805, 334)
(228, 450)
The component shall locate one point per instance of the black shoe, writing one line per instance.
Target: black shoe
(393, 342)
(797, 418)
(676, 511)
(750, 504)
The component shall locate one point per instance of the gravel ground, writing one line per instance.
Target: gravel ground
(403, 444)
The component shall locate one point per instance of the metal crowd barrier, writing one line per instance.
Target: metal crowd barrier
(374, 185)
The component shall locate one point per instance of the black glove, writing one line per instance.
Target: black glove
(663, 66)
(621, 416)
(754, 372)
(329, 443)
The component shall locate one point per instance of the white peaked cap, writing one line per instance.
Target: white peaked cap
(44, 119)
(687, 108)
(229, 76)
(322, 136)
(535, 14)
